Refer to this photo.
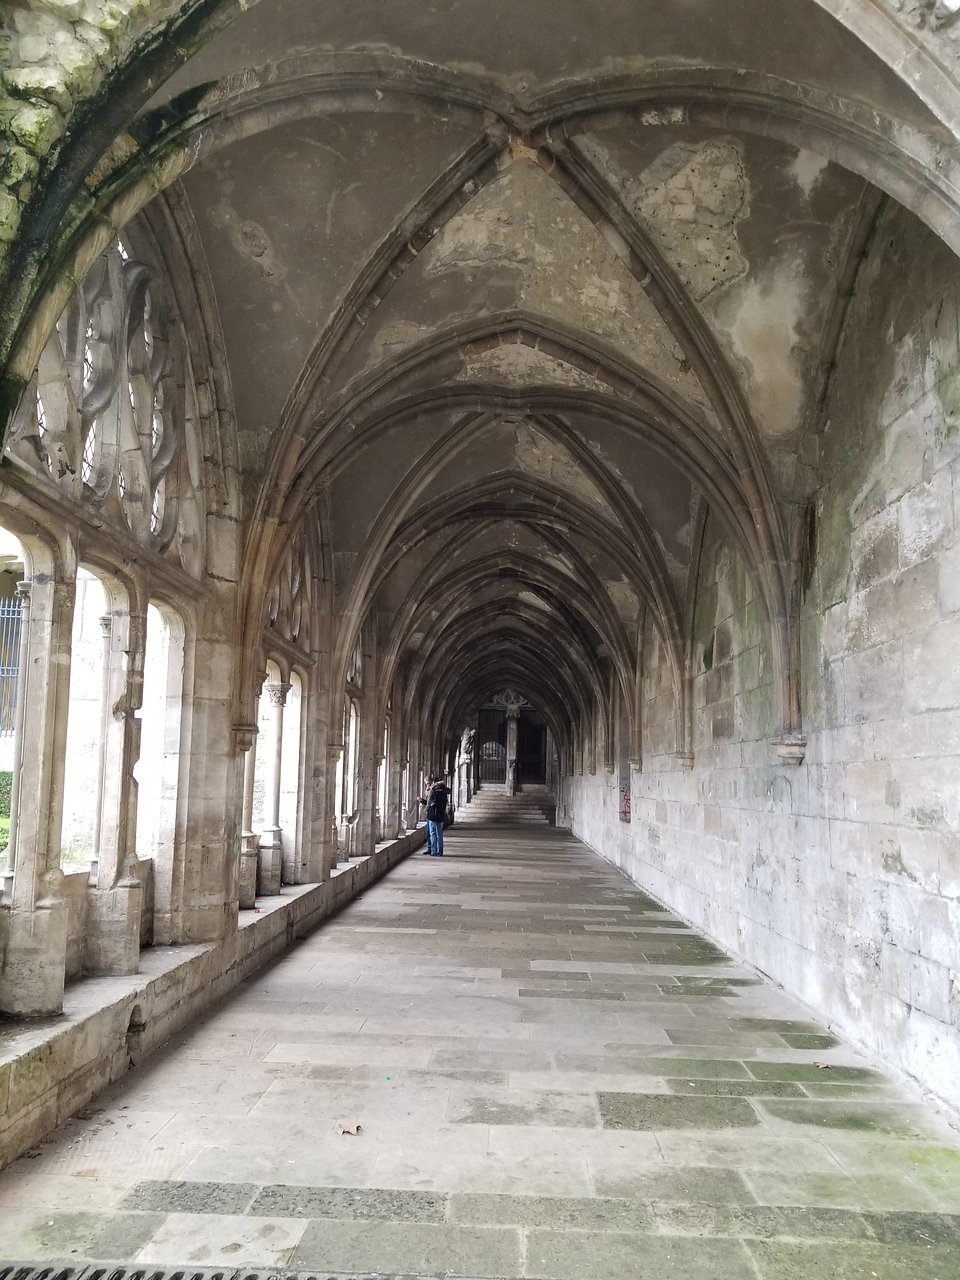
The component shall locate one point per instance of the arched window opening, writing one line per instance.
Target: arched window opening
(353, 751)
(83, 780)
(158, 767)
(264, 748)
(268, 778)
(383, 788)
(290, 788)
(346, 782)
(407, 821)
(12, 660)
(339, 793)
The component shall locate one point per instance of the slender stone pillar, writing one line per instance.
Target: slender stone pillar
(331, 840)
(271, 843)
(513, 718)
(112, 944)
(249, 840)
(34, 959)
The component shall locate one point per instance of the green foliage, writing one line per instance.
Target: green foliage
(6, 781)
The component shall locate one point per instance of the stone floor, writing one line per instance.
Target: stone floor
(554, 1078)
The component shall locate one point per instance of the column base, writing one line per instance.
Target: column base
(270, 863)
(249, 865)
(31, 979)
(113, 931)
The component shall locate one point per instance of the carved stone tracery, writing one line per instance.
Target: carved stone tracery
(111, 421)
(934, 15)
(290, 603)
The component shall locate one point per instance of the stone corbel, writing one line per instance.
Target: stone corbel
(244, 738)
(685, 759)
(791, 748)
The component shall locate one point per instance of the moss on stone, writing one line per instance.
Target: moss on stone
(37, 126)
(11, 390)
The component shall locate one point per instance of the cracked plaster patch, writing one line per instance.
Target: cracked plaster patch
(692, 198)
(625, 599)
(523, 224)
(522, 364)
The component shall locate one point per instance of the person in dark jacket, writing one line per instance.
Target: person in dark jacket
(436, 802)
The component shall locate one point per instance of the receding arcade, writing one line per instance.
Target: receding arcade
(568, 405)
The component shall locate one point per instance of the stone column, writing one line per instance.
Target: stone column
(106, 633)
(204, 903)
(271, 845)
(112, 944)
(249, 840)
(34, 956)
(393, 819)
(314, 773)
(331, 833)
(513, 718)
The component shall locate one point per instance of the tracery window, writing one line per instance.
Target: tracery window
(353, 758)
(290, 602)
(111, 421)
(355, 670)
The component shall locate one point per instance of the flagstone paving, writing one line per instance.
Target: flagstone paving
(554, 1078)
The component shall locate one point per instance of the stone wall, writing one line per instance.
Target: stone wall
(840, 878)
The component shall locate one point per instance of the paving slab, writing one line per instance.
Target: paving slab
(554, 1078)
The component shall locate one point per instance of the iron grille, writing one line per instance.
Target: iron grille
(9, 662)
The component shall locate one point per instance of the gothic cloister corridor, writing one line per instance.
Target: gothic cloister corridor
(554, 1078)
(540, 415)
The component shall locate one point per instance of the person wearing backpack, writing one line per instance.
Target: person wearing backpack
(436, 802)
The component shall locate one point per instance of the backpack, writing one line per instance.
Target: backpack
(437, 803)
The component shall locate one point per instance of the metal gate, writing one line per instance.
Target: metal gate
(9, 662)
(492, 736)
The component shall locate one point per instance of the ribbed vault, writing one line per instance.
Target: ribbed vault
(512, 308)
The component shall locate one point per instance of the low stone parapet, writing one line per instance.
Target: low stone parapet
(53, 1067)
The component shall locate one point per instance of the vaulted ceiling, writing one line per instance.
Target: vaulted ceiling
(513, 294)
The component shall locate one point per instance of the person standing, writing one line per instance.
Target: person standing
(436, 802)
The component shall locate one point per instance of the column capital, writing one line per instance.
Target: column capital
(278, 690)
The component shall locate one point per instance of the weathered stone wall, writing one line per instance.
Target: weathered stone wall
(840, 878)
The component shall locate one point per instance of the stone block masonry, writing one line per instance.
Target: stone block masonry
(839, 878)
(52, 1068)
